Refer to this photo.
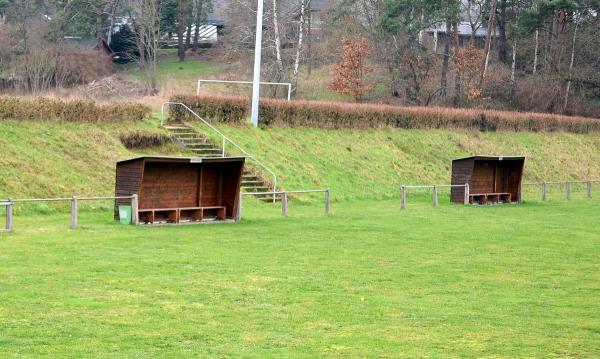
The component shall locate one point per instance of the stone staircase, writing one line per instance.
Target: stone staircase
(200, 146)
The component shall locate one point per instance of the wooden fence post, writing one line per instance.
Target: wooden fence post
(544, 191)
(238, 213)
(74, 212)
(403, 197)
(589, 189)
(568, 190)
(327, 201)
(135, 217)
(466, 199)
(284, 204)
(9, 216)
(435, 196)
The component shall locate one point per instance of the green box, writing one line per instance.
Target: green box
(125, 214)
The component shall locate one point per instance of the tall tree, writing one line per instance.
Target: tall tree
(181, 29)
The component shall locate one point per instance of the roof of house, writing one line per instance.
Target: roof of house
(184, 159)
(76, 43)
(492, 157)
(464, 29)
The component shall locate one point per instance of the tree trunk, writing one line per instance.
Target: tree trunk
(571, 66)
(199, 5)
(180, 29)
(279, 60)
(535, 55)
(188, 37)
(458, 75)
(299, 45)
(560, 39)
(488, 44)
(113, 10)
(99, 23)
(502, 41)
(445, 62)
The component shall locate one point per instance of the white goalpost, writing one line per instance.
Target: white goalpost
(287, 84)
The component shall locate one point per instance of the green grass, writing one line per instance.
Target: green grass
(53, 158)
(374, 163)
(183, 76)
(367, 281)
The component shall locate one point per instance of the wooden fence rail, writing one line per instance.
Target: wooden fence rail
(10, 203)
(568, 192)
(285, 199)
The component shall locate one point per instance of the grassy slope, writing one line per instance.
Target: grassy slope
(358, 164)
(426, 282)
(56, 159)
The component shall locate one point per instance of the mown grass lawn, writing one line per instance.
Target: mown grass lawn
(366, 281)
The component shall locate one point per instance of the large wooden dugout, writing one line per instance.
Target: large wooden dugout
(181, 190)
(491, 179)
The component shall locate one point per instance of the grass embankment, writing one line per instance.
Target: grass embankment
(374, 163)
(54, 158)
(367, 281)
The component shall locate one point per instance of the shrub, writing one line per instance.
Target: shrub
(139, 140)
(336, 115)
(13, 108)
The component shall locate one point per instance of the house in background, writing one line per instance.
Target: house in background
(87, 59)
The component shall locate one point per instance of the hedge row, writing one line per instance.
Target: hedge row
(337, 115)
(13, 108)
(139, 140)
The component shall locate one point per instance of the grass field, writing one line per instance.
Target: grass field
(174, 75)
(366, 281)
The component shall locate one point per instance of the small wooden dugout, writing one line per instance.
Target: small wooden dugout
(491, 179)
(181, 190)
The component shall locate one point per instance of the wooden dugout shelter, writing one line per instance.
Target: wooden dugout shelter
(180, 189)
(491, 179)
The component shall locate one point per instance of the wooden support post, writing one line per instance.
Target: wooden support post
(403, 197)
(327, 201)
(135, 216)
(520, 199)
(589, 189)
(74, 213)
(238, 213)
(9, 216)
(466, 199)
(544, 191)
(284, 204)
(568, 190)
(435, 196)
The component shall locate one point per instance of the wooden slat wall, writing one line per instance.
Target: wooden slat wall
(169, 185)
(461, 174)
(128, 181)
(482, 180)
(180, 185)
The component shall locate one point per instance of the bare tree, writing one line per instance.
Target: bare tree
(146, 26)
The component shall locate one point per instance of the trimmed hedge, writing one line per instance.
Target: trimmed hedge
(14, 108)
(139, 140)
(337, 115)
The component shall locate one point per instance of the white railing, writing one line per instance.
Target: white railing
(289, 85)
(224, 139)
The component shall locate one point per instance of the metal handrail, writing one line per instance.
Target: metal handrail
(223, 136)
